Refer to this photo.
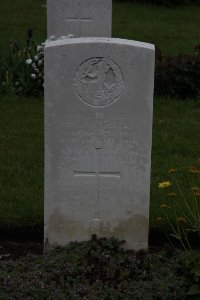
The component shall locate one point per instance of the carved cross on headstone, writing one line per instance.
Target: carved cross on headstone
(98, 174)
(78, 21)
(82, 18)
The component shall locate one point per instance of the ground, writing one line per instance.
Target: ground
(16, 249)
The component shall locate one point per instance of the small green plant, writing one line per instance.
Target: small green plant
(191, 269)
(179, 211)
(22, 69)
(180, 218)
(36, 63)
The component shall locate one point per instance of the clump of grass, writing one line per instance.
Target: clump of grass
(180, 207)
(22, 69)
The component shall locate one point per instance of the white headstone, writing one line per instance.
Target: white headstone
(98, 129)
(79, 17)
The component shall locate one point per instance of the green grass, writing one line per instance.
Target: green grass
(173, 30)
(176, 135)
(21, 169)
(16, 17)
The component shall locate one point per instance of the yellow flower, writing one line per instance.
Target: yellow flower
(181, 220)
(194, 189)
(172, 194)
(193, 168)
(164, 184)
(158, 219)
(172, 171)
(163, 206)
(194, 171)
(197, 194)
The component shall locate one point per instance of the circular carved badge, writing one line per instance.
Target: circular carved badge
(98, 82)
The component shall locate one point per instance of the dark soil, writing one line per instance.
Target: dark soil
(16, 244)
(14, 250)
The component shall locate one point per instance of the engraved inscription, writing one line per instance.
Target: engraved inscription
(79, 19)
(79, 11)
(98, 82)
(99, 115)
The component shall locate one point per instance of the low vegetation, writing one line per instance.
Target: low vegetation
(100, 269)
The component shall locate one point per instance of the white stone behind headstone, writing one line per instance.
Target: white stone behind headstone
(98, 131)
(79, 17)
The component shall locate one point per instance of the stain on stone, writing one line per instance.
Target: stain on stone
(134, 230)
(100, 228)
(64, 229)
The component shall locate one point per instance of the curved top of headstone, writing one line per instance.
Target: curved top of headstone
(98, 40)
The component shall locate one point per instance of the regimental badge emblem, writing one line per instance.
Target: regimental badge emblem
(98, 82)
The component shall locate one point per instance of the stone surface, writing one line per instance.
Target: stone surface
(79, 17)
(98, 130)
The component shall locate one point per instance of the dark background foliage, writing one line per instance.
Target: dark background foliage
(178, 76)
(165, 2)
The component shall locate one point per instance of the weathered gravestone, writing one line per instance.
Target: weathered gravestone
(79, 17)
(98, 124)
